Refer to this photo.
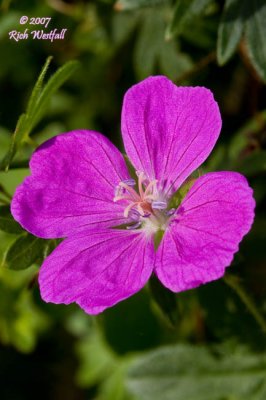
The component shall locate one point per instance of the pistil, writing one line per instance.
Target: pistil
(144, 206)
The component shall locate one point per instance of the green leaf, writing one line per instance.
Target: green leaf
(256, 34)
(37, 106)
(24, 252)
(243, 138)
(178, 196)
(8, 22)
(54, 83)
(195, 373)
(23, 127)
(33, 101)
(15, 142)
(184, 15)
(152, 47)
(253, 164)
(7, 222)
(122, 5)
(165, 299)
(230, 30)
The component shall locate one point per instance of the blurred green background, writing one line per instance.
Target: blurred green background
(204, 344)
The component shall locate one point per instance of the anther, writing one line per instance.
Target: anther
(129, 182)
(135, 226)
(159, 205)
(170, 212)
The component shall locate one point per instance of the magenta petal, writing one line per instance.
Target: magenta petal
(97, 269)
(169, 131)
(210, 223)
(72, 186)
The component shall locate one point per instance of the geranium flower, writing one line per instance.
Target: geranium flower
(80, 189)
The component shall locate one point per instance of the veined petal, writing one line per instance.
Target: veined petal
(72, 182)
(209, 225)
(97, 269)
(168, 131)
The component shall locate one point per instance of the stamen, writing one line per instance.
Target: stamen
(128, 208)
(147, 215)
(143, 206)
(129, 182)
(150, 197)
(170, 212)
(130, 190)
(152, 185)
(135, 226)
(159, 205)
(119, 191)
(134, 214)
(117, 198)
(142, 178)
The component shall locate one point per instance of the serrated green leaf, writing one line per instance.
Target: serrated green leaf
(33, 101)
(152, 47)
(184, 14)
(26, 250)
(230, 30)
(194, 373)
(53, 84)
(123, 5)
(7, 222)
(256, 34)
(151, 33)
(37, 106)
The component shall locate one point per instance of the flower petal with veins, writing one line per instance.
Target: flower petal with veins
(169, 131)
(97, 269)
(201, 241)
(71, 186)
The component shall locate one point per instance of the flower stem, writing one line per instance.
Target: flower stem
(234, 283)
(3, 201)
(5, 192)
(201, 64)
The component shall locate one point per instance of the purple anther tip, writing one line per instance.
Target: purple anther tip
(170, 212)
(134, 226)
(159, 205)
(134, 214)
(129, 182)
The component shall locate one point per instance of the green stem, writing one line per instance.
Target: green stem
(201, 64)
(234, 283)
(4, 202)
(5, 192)
(19, 164)
(32, 142)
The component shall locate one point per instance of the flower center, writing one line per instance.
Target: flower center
(144, 205)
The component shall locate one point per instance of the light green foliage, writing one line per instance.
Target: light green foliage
(123, 5)
(198, 373)
(100, 365)
(20, 319)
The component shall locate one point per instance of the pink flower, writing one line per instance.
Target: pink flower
(80, 189)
